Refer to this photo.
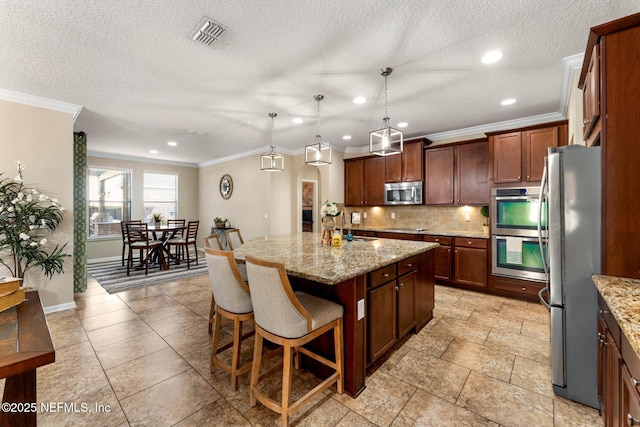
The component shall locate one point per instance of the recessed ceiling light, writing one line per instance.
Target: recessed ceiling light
(346, 137)
(403, 124)
(508, 101)
(492, 56)
(359, 100)
(298, 120)
(153, 151)
(172, 143)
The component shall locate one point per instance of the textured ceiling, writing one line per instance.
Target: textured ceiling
(143, 82)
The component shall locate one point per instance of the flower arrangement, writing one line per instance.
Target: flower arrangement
(156, 217)
(24, 213)
(329, 209)
(220, 221)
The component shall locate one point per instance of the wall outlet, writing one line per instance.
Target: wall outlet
(360, 309)
(467, 217)
(364, 215)
(393, 215)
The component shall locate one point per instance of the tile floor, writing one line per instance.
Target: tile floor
(144, 355)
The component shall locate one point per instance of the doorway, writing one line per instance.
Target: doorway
(309, 196)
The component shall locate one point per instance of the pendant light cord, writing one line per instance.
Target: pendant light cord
(318, 98)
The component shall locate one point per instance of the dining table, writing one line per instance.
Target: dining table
(164, 233)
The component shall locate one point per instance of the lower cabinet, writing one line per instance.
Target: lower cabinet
(470, 260)
(443, 257)
(618, 373)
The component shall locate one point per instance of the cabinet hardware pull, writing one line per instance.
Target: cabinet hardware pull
(604, 311)
(385, 275)
(437, 240)
(635, 382)
(401, 285)
(468, 243)
(528, 177)
(632, 421)
(409, 265)
(518, 176)
(397, 289)
(585, 121)
(524, 289)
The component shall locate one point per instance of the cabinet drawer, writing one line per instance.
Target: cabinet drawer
(468, 242)
(400, 236)
(363, 233)
(382, 275)
(610, 320)
(443, 240)
(631, 359)
(521, 287)
(407, 265)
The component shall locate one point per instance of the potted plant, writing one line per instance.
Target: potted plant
(484, 211)
(220, 221)
(25, 213)
(329, 211)
(157, 219)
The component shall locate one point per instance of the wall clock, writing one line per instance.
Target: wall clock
(226, 186)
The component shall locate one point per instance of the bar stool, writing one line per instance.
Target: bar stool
(290, 319)
(233, 302)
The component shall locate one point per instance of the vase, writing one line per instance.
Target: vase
(158, 224)
(220, 224)
(328, 223)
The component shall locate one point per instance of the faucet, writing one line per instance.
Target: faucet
(341, 222)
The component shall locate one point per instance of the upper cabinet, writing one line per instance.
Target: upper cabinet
(591, 94)
(457, 174)
(518, 155)
(407, 166)
(364, 181)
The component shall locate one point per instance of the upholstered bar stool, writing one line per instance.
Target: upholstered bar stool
(233, 302)
(290, 319)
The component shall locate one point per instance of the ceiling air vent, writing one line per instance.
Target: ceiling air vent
(207, 31)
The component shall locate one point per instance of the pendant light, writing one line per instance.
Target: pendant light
(272, 161)
(318, 153)
(386, 140)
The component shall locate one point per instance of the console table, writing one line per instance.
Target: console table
(25, 344)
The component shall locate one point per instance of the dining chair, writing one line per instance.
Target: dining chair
(179, 234)
(213, 241)
(183, 243)
(234, 238)
(232, 302)
(290, 319)
(138, 234)
(125, 237)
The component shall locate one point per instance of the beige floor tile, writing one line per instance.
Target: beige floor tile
(495, 320)
(526, 310)
(353, 419)
(430, 342)
(190, 338)
(108, 319)
(453, 310)
(442, 378)
(138, 293)
(427, 410)
(102, 308)
(382, 400)
(173, 309)
(177, 323)
(111, 355)
(118, 332)
(218, 413)
(505, 403)
(493, 363)
(66, 331)
(136, 375)
(568, 414)
(151, 303)
(95, 299)
(520, 345)
(532, 375)
(462, 329)
(535, 329)
(170, 401)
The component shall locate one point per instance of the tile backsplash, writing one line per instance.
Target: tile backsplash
(427, 217)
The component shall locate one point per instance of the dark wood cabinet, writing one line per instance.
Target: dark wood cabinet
(457, 175)
(518, 155)
(382, 327)
(591, 93)
(609, 367)
(443, 257)
(407, 166)
(364, 181)
(617, 131)
(470, 260)
(406, 311)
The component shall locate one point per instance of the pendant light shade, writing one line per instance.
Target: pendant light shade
(386, 140)
(318, 153)
(272, 161)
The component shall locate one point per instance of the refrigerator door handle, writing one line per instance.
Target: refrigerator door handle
(542, 299)
(541, 200)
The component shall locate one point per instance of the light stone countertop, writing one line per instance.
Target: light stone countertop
(623, 298)
(452, 233)
(304, 256)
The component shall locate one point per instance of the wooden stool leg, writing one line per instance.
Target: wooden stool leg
(216, 339)
(211, 313)
(235, 358)
(255, 367)
(339, 350)
(286, 382)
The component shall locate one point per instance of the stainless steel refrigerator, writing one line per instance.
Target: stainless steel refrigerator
(571, 186)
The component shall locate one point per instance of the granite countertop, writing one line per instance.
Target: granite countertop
(623, 298)
(304, 256)
(453, 233)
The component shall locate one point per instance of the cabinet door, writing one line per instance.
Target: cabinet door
(406, 309)
(472, 174)
(507, 157)
(591, 94)
(630, 399)
(614, 382)
(354, 183)
(413, 162)
(534, 145)
(374, 181)
(381, 315)
(439, 164)
(443, 262)
(393, 168)
(602, 368)
(471, 266)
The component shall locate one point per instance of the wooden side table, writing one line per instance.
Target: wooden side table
(25, 344)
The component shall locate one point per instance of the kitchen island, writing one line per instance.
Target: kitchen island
(384, 285)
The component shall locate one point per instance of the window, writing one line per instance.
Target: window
(109, 196)
(161, 194)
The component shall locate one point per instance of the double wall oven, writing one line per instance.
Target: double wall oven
(517, 216)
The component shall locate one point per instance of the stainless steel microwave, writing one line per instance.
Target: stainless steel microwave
(403, 193)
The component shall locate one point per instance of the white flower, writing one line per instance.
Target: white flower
(42, 198)
(29, 198)
(43, 241)
(10, 209)
(14, 201)
(62, 209)
(20, 195)
(329, 209)
(33, 227)
(33, 244)
(34, 191)
(43, 222)
(17, 178)
(24, 236)
(54, 201)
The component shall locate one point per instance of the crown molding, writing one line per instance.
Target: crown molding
(37, 101)
(569, 65)
(139, 159)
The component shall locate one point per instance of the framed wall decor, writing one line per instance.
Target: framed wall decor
(226, 186)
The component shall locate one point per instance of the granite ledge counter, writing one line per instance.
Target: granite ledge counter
(304, 256)
(622, 295)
